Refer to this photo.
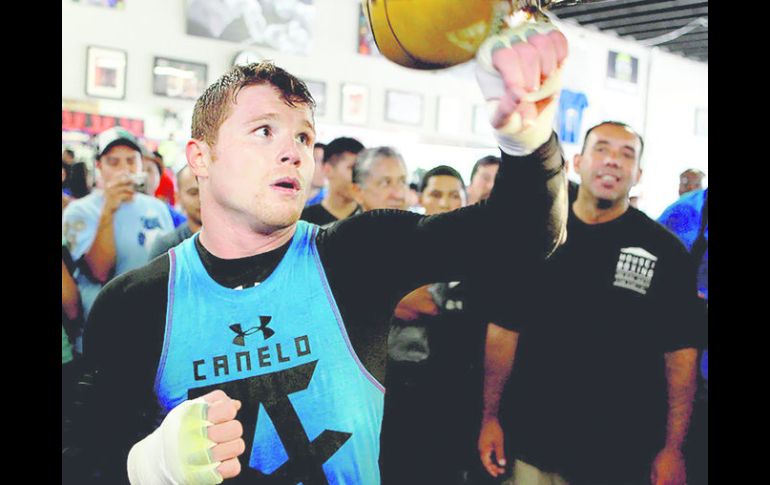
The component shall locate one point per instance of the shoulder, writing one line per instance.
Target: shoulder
(85, 206)
(148, 280)
(370, 226)
(311, 210)
(655, 233)
(685, 213)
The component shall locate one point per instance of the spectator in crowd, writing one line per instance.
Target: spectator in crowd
(435, 349)
(338, 203)
(66, 194)
(109, 231)
(80, 180)
(689, 180)
(153, 169)
(482, 178)
(379, 179)
(191, 204)
(166, 188)
(318, 184)
(602, 384)
(687, 218)
(68, 156)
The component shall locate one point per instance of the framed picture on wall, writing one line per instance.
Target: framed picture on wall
(401, 107)
(622, 72)
(105, 72)
(178, 79)
(318, 91)
(355, 104)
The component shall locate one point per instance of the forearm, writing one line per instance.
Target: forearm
(530, 193)
(70, 298)
(499, 354)
(681, 379)
(100, 257)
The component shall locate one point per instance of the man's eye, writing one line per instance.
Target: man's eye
(263, 131)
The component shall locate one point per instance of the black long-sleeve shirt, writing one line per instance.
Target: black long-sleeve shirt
(371, 260)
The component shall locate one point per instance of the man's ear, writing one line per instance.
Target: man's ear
(576, 159)
(198, 157)
(357, 193)
(326, 168)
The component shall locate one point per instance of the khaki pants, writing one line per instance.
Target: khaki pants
(526, 474)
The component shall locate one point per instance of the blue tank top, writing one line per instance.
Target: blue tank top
(311, 412)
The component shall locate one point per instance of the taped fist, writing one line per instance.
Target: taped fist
(519, 73)
(198, 443)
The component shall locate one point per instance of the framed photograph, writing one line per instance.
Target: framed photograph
(178, 79)
(318, 91)
(106, 73)
(622, 72)
(355, 104)
(278, 24)
(401, 107)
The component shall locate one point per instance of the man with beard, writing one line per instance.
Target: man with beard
(605, 345)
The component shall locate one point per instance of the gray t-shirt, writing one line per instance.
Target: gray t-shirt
(166, 241)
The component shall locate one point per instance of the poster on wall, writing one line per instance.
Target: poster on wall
(401, 107)
(283, 25)
(318, 91)
(106, 73)
(366, 44)
(622, 71)
(118, 4)
(355, 104)
(178, 79)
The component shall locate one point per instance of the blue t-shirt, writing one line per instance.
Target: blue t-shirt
(683, 218)
(177, 217)
(310, 408)
(571, 106)
(136, 225)
(318, 198)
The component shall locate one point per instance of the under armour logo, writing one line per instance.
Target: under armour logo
(241, 335)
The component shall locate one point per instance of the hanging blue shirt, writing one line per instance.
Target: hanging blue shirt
(571, 106)
(311, 412)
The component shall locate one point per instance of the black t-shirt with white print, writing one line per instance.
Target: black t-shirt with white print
(587, 395)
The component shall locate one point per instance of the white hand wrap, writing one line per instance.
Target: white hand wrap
(516, 137)
(178, 452)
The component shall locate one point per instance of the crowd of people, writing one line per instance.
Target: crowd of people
(243, 321)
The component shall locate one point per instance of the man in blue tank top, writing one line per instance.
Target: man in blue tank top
(257, 347)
